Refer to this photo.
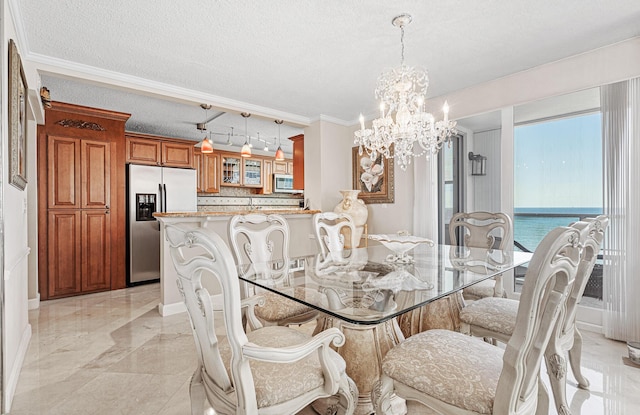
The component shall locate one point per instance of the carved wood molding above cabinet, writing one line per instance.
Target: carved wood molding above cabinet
(81, 201)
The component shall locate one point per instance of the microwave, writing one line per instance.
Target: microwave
(283, 183)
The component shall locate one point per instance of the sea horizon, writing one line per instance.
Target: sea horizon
(557, 210)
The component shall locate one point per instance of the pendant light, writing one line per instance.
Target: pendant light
(206, 145)
(246, 150)
(279, 152)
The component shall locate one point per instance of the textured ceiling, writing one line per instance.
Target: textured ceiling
(292, 59)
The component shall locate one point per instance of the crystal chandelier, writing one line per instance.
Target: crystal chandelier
(404, 130)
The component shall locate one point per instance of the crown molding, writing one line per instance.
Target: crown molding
(331, 119)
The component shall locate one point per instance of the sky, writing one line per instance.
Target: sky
(559, 163)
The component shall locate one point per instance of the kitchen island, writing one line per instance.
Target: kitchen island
(302, 239)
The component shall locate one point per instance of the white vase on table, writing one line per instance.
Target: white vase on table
(354, 207)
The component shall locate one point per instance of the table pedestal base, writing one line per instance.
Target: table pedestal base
(364, 348)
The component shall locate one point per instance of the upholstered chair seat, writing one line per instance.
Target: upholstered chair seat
(496, 318)
(495, 314)
(280, 309)
(483, 289)
(267, 370)
(276, 383)
(448, 367)
(452, 373)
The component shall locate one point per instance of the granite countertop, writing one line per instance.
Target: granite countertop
(239, 212)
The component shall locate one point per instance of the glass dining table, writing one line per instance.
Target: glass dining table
(362, 291)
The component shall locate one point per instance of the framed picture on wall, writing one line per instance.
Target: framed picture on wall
(17, 120)
(374, 178)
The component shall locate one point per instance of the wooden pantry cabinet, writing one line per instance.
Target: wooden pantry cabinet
(159, 151)
(298, 161)
(81, 201)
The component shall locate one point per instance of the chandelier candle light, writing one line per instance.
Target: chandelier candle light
(412, 132)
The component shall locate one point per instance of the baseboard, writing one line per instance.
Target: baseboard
(589, 327)
(34, 303)
(171, 309)
(12, 381)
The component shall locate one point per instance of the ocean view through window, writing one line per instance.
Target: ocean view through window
(557, 177)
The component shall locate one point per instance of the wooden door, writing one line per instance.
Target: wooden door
(280, 167)
(63, 172)
(298, 161)
(95, 162)
(267, 187)
(64, 252)
(96, 250)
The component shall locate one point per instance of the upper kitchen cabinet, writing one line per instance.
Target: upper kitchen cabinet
(283, 167)
(241, 171)
(298, 161)
(208, 166)
(159, 151)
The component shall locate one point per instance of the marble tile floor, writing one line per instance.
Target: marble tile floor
(112, 353)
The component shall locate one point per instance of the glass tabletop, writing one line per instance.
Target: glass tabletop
(371, 285)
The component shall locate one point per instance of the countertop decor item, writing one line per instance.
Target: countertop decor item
(351, 205)
(400, 244)
(403, 123)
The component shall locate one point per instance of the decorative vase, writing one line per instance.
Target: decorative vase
(355, 208)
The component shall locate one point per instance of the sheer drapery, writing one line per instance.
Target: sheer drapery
(425, 197)
(620, 105)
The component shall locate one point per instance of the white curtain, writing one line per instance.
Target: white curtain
(620, 104)
(425, 199)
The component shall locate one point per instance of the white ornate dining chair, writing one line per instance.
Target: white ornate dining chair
(482, 230)
(330, 230)
(270, 370)
(496, 318)
(453, 373)
(262, 241)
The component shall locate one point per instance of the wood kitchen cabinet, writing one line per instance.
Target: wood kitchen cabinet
(298, 161)
(282, 167)
(81, 201)
(159, 151)
(241, 171)
(208, 166)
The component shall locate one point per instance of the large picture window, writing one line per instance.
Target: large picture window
(557, 178)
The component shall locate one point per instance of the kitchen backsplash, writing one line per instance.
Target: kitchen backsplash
(234, 198)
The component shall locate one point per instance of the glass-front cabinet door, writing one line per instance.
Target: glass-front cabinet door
(252, 172)
(231, 167)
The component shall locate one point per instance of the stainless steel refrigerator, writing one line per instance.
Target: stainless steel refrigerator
(153, 189)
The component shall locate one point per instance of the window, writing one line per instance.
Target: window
(557, 179)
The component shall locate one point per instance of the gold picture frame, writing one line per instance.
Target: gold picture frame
(17, 119)
(374, 179)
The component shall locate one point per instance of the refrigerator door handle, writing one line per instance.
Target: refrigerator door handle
(164, 187)
(160, 194)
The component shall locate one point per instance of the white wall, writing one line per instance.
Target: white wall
(16, 331)
(485, 190)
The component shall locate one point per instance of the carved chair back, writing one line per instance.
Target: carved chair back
(548, 281)
(329, 227)
(196, 255)
(263, 241)
(481, 229)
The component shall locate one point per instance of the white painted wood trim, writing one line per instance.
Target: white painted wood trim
(34, 303)
(12, 381)
(171, 309)
(11, 267)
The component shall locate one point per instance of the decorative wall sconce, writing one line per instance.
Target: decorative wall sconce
(478, 164)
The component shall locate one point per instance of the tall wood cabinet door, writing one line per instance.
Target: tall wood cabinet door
(63, 172)
(96, 174)
(211, 172)
(267, 188)
(177, 155)
(96, 250)
(197, 161)
(64, 254)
